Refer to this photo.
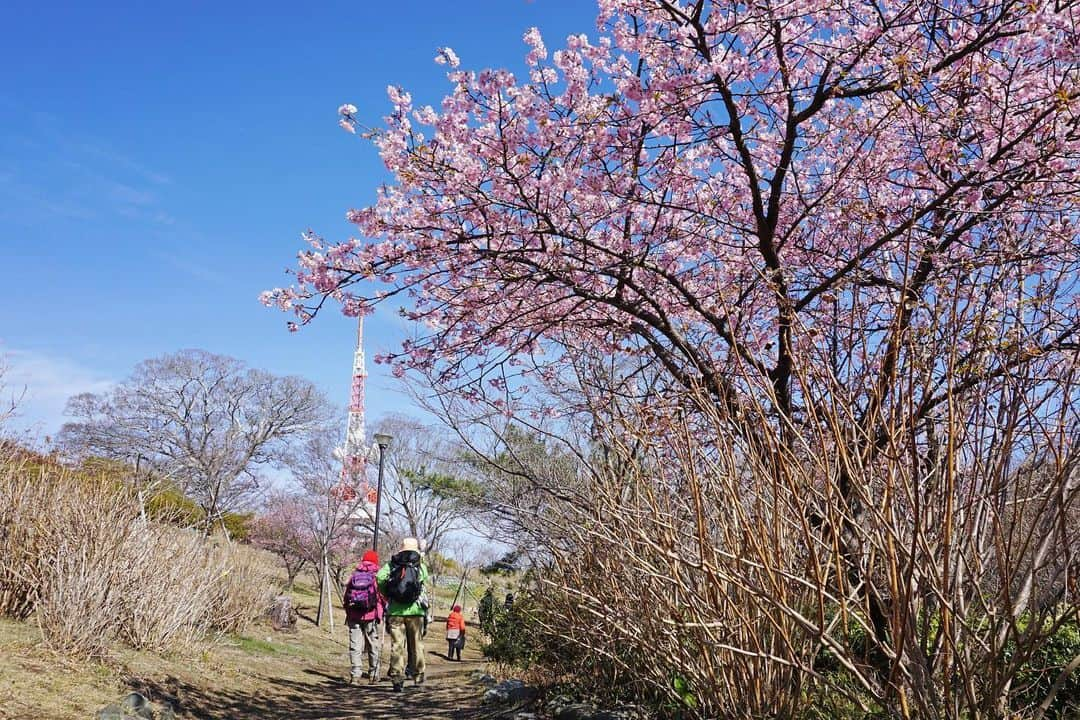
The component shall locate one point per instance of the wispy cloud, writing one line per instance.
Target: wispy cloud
(199, 271)
(26, 200)
(42, 384)
(54, 169)
(117, 159)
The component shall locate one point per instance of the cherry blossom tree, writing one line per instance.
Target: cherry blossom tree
(334, 522)
(281, 529)
(833, 229)
(722, 187)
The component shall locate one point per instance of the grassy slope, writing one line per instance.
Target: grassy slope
(34, 682)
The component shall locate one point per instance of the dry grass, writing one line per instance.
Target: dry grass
(37, 681)
(257, 675)
(76, 553)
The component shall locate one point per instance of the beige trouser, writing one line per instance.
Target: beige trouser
(405, 631)
(363, 640)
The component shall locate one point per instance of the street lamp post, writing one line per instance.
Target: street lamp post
(382, 440)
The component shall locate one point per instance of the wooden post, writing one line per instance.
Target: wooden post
(326, 585)
(460, 589)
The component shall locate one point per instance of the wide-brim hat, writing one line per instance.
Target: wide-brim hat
(410, 544)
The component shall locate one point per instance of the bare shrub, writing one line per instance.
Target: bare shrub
(24, 491)
(243, 592)
(86, 568)
(174, 581)
(194, 588)
(746, 573)
(75, 551)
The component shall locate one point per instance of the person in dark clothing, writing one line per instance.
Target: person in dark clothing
(487, 612)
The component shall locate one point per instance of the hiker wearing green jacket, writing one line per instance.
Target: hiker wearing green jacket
(401, 581)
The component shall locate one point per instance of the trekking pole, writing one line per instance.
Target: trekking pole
(378, 650)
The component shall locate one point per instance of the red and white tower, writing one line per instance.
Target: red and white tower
(355, 453)
(355, 436)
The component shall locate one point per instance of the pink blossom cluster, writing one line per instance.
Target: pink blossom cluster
(448, 57)
(771, 188)
(347, 121)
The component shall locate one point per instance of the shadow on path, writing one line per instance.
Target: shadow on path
(321, 692)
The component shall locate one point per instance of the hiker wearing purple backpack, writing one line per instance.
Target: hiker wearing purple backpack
(364, 609)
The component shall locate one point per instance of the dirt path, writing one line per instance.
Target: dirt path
(258, 675)
(319, 691)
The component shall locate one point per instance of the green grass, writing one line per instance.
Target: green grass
(255, 645)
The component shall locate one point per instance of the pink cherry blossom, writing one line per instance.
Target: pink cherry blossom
(789, 196)
(447, 56)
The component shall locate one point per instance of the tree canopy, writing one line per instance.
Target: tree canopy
(804, 198)
(203, 421)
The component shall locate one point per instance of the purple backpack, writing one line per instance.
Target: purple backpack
(361, 594)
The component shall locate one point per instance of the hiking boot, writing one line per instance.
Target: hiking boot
(398, 686)
(350, 679)
(419, 679)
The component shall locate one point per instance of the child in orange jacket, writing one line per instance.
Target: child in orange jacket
(455, 633)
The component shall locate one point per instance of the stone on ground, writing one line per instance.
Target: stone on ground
(507, 691)
(134, 707)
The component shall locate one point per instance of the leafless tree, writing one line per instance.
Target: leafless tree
(9, 397)
(206, 422)
(426, 481)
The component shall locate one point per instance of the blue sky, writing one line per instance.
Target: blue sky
(158, 164)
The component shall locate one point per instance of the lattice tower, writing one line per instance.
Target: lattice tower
(356, 450)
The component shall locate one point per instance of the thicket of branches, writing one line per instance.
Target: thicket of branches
(78, 556)
(425, 482)
(683, 564)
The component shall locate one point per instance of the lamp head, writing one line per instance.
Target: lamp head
(382, 439)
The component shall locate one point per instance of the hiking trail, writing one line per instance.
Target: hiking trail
(319, 690)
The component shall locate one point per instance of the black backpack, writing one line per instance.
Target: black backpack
(403, 585)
